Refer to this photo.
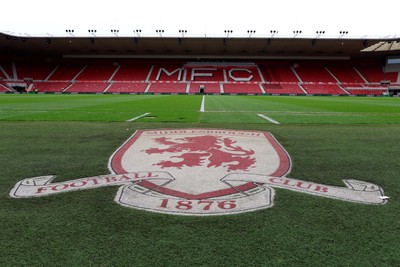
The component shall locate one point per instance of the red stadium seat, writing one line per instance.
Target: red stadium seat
(176, 76)
(87, 87)
(132, 72)
(242, 88)
(346, 73)
(324, 89)
(97, 72)
(35, 71)
(66, 72)
(127, 87)
(167, 87)
(314, 72)
(283, 89)
(278, 73)
(50, 86)
(6, 72)
(209, 87)
(375, 74)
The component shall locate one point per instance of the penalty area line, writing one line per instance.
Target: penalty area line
(203, 102)
(268, 119)
(138, 117)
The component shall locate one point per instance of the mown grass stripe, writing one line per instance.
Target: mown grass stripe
(268, 119)
(138, 117)
(203, 102)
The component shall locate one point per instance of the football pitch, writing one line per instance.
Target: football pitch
(73, 136)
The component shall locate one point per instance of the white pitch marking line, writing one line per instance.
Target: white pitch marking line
(138, 117)
(203, 102)
(268, 119)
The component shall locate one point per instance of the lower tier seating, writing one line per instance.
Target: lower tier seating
(50, 86)
(324, 89)
(242, 88)
(367, 91)
(282, 88)
(127, 87)
(165, 87)
(87, 87)
(209, 88)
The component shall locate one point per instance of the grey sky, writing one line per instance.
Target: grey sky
(206, 17)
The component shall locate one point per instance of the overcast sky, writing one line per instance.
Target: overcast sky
(206, 17)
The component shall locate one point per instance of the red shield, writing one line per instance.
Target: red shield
(198, 159)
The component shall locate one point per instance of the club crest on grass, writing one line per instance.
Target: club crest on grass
(200, 172)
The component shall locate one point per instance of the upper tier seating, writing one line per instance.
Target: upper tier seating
(242, 74)
(132, 72)
(375, 73)
(167, 72)
(2, 76)
(278, 73)
(35, 71)
(97, 72)
(7, 67)
(66, 72)
(346, 74)
(222, 72)
(209, 74)
(314, 73)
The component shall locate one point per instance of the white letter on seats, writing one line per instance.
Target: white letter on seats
(237, 79)
(204, 74)
(169, 73)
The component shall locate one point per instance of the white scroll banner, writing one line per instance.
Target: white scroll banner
(355, 191)
(153, 199)
(42, 186)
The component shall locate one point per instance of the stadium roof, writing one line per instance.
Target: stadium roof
(204, 47)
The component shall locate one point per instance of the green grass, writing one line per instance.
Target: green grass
(98, 107)
(183, 108)
(73, 136)
(326, 110)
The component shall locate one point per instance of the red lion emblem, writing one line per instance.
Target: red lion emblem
(199, 149)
